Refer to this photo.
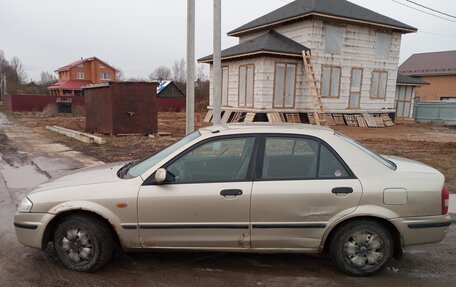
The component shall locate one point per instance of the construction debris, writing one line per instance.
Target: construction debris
(339, 119)
(275, 117)
(293, 118)
(83, 137)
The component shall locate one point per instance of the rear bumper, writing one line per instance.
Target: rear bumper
(30, 228)
(423, 230)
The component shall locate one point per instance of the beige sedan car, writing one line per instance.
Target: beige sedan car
(243, 188)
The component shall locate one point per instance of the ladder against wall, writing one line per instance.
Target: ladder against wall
(319, 116)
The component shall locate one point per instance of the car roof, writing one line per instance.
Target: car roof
(262, 127)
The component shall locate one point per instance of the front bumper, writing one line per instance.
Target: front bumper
(30, 228)
(423, 230)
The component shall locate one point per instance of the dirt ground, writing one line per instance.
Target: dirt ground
(433, 145)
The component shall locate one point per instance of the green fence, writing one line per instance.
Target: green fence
(437, 112)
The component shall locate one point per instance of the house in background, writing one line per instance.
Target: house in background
(405, 96)
(170, 98)
(436, 68)
(354, 57)
(80, 73)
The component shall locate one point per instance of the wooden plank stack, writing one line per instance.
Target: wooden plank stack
(249, 117)
(361, 122)
(330, 120)
(293, 118)
(339, 119)
(275, 118)
(350, 120)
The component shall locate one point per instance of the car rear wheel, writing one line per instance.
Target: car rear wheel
(361, 248)
(83, 243)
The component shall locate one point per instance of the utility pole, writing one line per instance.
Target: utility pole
(217, 69)
(190, 123)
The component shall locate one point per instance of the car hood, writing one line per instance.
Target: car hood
(86, 176)
(408, 165)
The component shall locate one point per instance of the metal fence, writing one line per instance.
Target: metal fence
(436, 112)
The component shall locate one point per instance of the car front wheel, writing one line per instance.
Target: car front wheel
(83, 243)
(361, 247)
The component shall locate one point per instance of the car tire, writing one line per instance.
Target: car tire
(83, 243)
(361, 247)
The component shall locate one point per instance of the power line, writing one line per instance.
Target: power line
(429, 8)
(425, 12)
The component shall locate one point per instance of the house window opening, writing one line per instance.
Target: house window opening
(285, 85)
(333, 39)
(246, 78)
(330, 81)
(379, 84)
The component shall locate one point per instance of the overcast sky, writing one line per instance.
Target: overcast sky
(139, 35)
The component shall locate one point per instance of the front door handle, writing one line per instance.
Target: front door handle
(231, 192)
(342, 190)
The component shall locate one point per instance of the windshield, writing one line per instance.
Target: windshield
(142, 166)
(376, 156)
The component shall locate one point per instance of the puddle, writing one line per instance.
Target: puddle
(452, 208)
(25, 176)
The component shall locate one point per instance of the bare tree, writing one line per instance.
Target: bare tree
(160, 74)
(137, 79)
(179, 71)
(18, 70)
(47, 79)
(201, 76)
(3, 66)
(119, 75)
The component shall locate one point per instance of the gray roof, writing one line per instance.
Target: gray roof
(430, 64)
(335, 8)
(270, 43)
(406, 80)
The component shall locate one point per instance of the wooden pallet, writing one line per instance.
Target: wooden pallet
(236, 117)
(350, 120)
(330, 120)
(387, 120)
(275, 117)
(339, 119)
(379, 121)
(226, 117)
(249, 117)
(293, 118)
(361, 121)
(311, 118)
(208, 117)
(370, 120)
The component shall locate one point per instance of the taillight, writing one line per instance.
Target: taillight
(445, 199)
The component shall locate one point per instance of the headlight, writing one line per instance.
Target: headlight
(25, 205)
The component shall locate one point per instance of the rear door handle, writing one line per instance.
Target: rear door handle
(231, 192)
(342, 190)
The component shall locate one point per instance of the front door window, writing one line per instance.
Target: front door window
(221, 160)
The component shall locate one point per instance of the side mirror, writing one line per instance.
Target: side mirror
(160, 175)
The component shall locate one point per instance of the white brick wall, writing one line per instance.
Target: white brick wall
(358, 51)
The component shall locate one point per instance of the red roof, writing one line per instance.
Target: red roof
(430, 64)
(74, 64)
(69, 85)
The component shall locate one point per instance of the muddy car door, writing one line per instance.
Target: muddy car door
(205, 199)
(301, 184)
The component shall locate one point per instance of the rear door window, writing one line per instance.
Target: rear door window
(330, 166)
(290, 158)
(300, 158)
